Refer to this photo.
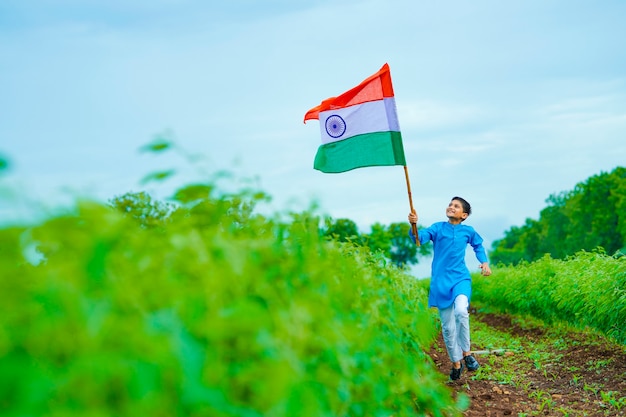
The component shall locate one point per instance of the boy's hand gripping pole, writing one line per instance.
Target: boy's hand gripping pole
(408, 187)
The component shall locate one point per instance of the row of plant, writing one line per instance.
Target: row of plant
(208, 310)
(588, 289)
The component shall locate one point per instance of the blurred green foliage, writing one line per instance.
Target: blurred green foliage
(204, 308)
(143, 208)
(588, 289)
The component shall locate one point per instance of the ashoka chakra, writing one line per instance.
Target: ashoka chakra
(335, 126)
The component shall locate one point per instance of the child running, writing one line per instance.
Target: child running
(450, 282)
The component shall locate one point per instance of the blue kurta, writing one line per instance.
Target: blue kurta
(450, 276)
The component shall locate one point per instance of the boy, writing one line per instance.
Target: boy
(450, 283)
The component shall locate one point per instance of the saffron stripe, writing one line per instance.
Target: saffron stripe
(374, 87)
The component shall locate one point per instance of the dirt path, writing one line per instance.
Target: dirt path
(572, 374)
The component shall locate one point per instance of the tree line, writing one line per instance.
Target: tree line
(589, 217)
(392, 240)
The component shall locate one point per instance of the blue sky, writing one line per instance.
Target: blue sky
(503, 103)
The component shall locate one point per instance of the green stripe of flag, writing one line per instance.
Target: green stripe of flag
(370, 149)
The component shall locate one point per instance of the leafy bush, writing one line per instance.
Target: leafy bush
(588, 289)
(214, 312)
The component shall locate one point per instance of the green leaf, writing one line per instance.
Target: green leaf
(159, 145)
(157, 176)
(193, 193)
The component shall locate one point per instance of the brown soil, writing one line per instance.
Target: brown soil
(582, 375)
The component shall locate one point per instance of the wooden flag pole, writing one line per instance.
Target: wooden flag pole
(408, 187)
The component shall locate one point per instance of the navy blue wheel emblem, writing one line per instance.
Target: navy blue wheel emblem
(335, 126)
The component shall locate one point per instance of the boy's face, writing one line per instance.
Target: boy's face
(455, 211)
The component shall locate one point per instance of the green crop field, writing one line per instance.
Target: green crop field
(585, 290)
(203, 307)
(209, 311)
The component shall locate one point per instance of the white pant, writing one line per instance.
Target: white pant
(455, 328)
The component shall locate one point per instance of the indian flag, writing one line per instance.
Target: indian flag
(360, 127)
